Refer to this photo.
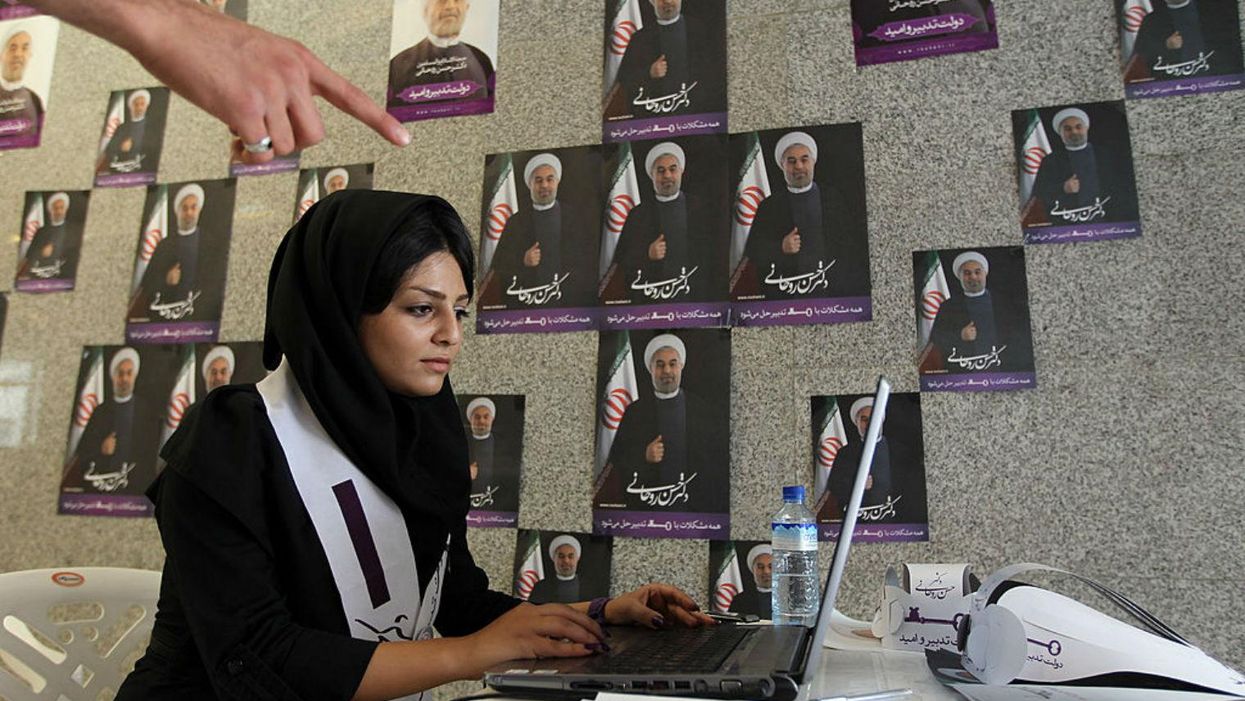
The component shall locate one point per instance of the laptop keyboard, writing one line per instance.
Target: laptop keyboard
(681, 650)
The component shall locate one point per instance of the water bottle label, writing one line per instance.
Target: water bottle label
(799, 537)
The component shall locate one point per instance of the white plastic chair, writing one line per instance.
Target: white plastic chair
(73, 634)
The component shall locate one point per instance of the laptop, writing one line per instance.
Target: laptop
(724, 661)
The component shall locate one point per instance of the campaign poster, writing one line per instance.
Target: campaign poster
(972, 310)
(894, 505)
(664, 243)
(1180, 47)
(124, 398)
(494, 427)
(51, 241)
(278, 164)
(234, 8)
(133, 135)
(316, 183)
(886, 31)
(4, 314)
(665, 69)
(27, 51)
(662, 466)
(178, 285)
(442, 58)
(556, 567)
(1074, 166)
(11, 9)
(740, 574)
(539, 224)
(799, 227)
(220, 364)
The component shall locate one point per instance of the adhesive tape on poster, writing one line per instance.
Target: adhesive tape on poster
(994, 651)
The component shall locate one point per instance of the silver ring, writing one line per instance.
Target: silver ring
(264, 145)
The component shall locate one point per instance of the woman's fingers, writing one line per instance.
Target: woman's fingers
(576, 618)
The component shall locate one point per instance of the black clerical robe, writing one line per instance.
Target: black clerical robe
(555, 229)
(126, 151)
(685, 223)
(999, 322)
(202, 262)
(426, 64)
(497, 459)
(274, 628)
(695, 52)
(552, 590)
(1205, 26)
(20, 104)
(752, 600)
(1104, 176)
(136, 425)
(693, 434)
(843, 475)
(53, 253)
(828, 231)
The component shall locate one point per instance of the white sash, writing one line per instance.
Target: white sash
(361, 529)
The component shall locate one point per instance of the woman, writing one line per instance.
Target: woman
(293, 511)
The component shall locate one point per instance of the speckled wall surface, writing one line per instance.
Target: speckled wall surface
(1125, 464)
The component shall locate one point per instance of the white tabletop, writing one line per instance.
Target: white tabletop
(851, 673)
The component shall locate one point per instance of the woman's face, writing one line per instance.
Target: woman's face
(412, 342)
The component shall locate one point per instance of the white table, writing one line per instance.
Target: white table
(850, 672)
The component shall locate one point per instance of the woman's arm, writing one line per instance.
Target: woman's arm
(652, 606)
(257, 83)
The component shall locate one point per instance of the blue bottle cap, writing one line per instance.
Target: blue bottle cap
(793, 493)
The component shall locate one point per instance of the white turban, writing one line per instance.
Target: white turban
(1064, 114)
(191, 189)
(218, 352)
(757, 551)
(14, 31)
(665, 340)
(559, 542)
(966, 257)
(126, 353)
(665, 148)
(481, 402)
(63, 196)
(860, 405)
(137, 93)
(543, 159)
(333, 174)
(792, 139)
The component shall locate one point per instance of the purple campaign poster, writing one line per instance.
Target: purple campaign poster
(132, 137)
(665, 69)
(442, 58)
(28, 47)
(894, 505)
(1074, 166)
(1180, 47)
(51, 241)
(972, 309)
(556, 567)
(11, 9)
(317, 183)
(494, 427)
(740, 574)
(279, 164)
(886, 31)
(662, 467)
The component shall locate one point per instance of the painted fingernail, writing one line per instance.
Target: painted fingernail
(658, 621)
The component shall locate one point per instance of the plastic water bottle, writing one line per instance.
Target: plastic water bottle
(795, 586)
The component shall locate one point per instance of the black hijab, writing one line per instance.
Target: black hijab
(413, 448)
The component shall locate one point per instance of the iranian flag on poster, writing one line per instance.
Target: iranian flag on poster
(830, 441)
(729, 581)
(624, 196)
(1035, 150)
(753, 189)
(620, 391)
(153, 233)
(116, 115)
(89, 398)
(181, 396)
(31, 224)
(625, 24)
(532, 570)
(934, 292)
(308, 194)
(503, 204)
(1131, 16)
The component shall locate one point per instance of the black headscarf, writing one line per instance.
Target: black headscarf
(413, 448)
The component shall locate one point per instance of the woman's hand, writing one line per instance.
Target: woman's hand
(527, 631)
(656, 606)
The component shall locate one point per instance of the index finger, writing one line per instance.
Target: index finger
(577, 617)
(348, 98)
(679, 597)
